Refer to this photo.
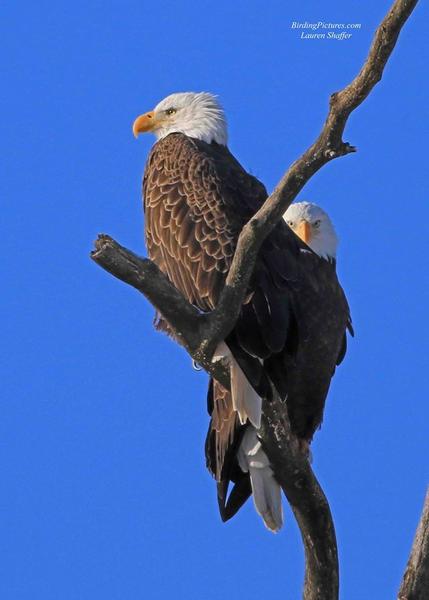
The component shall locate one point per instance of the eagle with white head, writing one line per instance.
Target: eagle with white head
(291, 331)
(313, 225)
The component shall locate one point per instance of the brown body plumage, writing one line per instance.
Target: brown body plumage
(291, 329)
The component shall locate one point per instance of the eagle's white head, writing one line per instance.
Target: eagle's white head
(197, 115)
(314, 227)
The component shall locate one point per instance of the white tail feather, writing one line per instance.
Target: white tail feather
(245, 400)
(251, 458)
(266, 490)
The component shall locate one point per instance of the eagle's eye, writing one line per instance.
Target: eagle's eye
(170, 111)
(290, 223)
(316, 223)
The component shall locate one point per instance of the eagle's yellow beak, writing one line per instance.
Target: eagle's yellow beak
(143, 123)
(304, 231)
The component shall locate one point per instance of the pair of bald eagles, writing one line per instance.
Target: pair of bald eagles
(291, 332)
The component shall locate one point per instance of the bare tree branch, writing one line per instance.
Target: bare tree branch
(329, 145)
(200, 333)
(307, 500)
(415, 583)
(141, 273)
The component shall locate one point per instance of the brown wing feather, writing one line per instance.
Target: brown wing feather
(184, 220)
(223, 426)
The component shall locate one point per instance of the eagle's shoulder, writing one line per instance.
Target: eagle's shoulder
(207, 178)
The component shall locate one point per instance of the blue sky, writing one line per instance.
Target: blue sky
(104, 488)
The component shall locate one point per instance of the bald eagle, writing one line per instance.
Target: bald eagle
(291, 331)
